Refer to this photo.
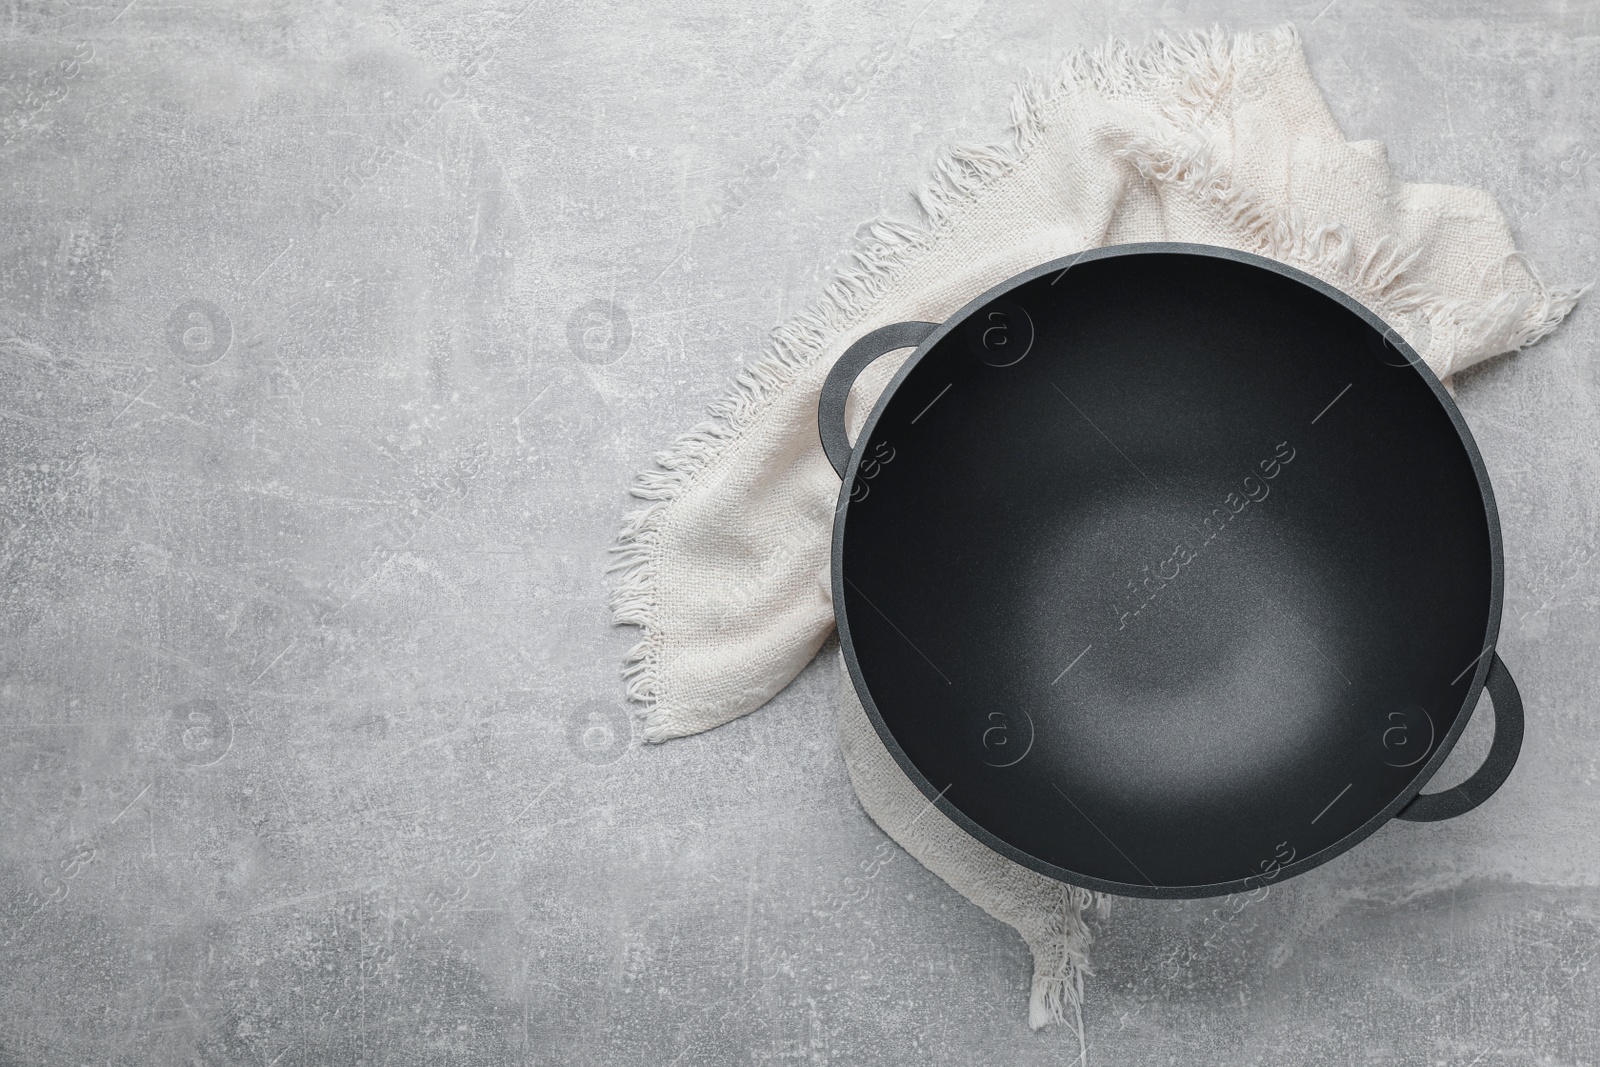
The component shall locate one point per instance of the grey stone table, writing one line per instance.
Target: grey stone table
(332, 335)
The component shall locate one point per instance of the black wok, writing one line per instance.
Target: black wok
(1168, 570)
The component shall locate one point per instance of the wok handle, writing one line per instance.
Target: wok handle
(1431, 807)
(836, 389)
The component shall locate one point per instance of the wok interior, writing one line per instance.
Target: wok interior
(1180, 587)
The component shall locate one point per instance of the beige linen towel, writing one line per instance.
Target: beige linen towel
(1215, 138)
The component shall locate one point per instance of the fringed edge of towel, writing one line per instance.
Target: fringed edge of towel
(1061, 962)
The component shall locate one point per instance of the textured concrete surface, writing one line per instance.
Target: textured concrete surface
(332, 335)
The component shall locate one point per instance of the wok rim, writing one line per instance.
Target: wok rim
(1300, 865)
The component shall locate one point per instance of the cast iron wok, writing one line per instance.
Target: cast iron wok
(1168, 570)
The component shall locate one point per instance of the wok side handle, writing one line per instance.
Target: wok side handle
(848, 367)
(1431, 807)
